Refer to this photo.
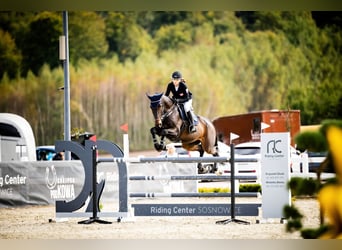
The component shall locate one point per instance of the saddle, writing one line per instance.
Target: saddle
(182, 114)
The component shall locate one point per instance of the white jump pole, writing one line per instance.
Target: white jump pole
(126, 146)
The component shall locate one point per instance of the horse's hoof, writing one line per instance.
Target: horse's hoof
(200, 170)
(218, 172)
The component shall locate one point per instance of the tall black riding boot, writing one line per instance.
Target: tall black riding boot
(192, 128)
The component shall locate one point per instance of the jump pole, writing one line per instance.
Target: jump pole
(195, 195)
(213, 159)
(187, 177)
(126, 146)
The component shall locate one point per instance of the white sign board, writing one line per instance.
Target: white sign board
(275, 173)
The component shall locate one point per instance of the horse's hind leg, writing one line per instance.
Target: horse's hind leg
(215, 154)
(201, 168)
(216, 150)
(212, 148)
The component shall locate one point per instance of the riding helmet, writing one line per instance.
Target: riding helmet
(176, 74)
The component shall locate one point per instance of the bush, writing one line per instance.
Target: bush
(250, 188)
(213, 190)
(303, 186)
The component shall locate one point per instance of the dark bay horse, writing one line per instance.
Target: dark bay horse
(169, 124)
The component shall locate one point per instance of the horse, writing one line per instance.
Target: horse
(169, 124)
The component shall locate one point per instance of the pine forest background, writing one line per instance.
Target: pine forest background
(234, 62)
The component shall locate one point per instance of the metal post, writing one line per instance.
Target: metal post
(94, 218)
(232, 191)
(67, 136)
(232, 181)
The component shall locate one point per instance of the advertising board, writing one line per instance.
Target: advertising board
(275, 173)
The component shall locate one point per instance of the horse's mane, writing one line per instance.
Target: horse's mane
(167, 99)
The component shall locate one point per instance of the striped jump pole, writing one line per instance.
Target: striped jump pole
(198, 195)
(166, 159)
(218, 159)
(187, 177)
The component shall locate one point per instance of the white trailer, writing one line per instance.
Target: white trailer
(17, 142)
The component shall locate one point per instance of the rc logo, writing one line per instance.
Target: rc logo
(272, 147)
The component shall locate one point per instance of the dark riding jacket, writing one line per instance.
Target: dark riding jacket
(181, 94)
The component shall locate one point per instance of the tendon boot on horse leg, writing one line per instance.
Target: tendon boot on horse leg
(159, 146)
(190, 116)
(203, 168)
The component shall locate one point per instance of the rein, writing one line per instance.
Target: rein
(172, 109)
(168, 113)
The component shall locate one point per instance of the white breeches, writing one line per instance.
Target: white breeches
(188, 106)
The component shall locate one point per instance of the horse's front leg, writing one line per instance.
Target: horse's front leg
(170, 132)
(162, 145)
(159, 146)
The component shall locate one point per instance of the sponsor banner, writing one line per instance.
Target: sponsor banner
(39, 183)
(275, 173)
(44, 182)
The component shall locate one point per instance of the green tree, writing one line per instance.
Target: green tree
(125, 37)
(87, 39)
(16, 24)
(171, 37)
(152, 21)
(41, 42)
(273, 60)
(10, 57)
(298, 26)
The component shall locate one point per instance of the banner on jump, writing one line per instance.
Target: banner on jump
(39, 183)
(194, 209)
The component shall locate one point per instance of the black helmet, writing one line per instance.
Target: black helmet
(176, 74)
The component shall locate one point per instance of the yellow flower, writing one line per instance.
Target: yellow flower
(330, 199)
(330, 196)
(334, 137)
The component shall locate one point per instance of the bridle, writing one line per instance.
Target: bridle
(164, 113)
(168, 112)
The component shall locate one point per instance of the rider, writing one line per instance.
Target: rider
(181, 93)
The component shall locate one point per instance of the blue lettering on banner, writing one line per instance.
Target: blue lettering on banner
(194, 209)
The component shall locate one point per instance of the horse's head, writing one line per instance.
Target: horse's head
(160, 106)
(156, 106)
